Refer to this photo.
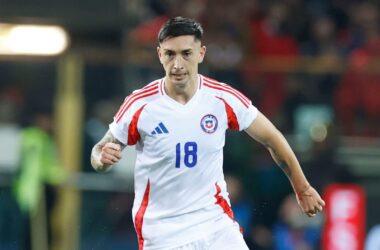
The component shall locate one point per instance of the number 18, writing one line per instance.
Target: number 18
(190, 150)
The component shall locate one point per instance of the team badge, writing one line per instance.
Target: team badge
(209, 123)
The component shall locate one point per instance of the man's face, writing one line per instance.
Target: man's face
(180, 57)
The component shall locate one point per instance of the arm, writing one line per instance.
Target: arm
(267, 134)
(106, 152)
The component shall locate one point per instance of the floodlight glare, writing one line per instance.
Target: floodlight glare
(32, 40)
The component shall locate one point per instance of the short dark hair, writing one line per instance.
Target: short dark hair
(180, 26)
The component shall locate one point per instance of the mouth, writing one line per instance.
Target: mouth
(178, 75)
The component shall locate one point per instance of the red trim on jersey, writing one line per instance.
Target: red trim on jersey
(226, 90)
(151, 84)
(223, 202)
(229, 89)
(236, 92)
(132, 99)
(231, 116)
(133, 132)
(210, 80)
(146, 89)
(139, 219)
(224, 205)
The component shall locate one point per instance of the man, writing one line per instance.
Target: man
(178, 124)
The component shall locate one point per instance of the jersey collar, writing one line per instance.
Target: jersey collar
(176, 104)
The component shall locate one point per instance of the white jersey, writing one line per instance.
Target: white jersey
(180, 192)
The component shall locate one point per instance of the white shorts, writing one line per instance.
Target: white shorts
(229, 238)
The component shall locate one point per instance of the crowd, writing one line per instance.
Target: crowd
(282, 54)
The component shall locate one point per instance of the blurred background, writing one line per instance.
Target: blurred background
(311, 66)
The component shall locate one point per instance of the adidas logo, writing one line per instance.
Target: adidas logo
(160, 129)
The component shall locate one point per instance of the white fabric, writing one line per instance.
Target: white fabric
(228, 238)
(182, 165)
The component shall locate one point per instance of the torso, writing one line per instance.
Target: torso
(179, 182)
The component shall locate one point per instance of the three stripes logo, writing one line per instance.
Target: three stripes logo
(160, 129)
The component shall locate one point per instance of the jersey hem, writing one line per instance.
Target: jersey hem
(205, 232)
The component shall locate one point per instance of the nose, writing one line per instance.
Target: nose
(178, 63)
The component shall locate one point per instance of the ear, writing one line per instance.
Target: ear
(202, 53)
(159, 53)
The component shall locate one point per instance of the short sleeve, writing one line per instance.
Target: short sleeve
(124, 126)
(247, 116)
(239, 108)
(120, 127)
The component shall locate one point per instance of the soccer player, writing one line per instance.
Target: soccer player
(178, 125)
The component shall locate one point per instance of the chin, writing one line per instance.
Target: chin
(181, 82)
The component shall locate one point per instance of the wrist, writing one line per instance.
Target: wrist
(101, 167)
(303, 190)
(97, 164)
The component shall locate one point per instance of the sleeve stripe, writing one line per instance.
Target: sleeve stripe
(151, 84)
(236, 92)
(132, 98)
(233, 122)
(229, 91)
(143, 90)
(133, 132)
(214, 82)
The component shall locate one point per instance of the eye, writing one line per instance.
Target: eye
(169, 53)
(187, 53)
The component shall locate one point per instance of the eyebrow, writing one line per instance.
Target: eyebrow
(182, 51)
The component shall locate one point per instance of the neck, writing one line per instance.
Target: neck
(181, 93)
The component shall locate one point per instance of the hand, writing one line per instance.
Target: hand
(310, 201)
(110, 154)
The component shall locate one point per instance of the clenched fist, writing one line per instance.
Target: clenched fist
(105, 155)
(110, 154)
(310, 201)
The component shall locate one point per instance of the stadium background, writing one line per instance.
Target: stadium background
(311, 66)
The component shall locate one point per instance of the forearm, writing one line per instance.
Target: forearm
(264, 131)
(285, 158)
(95, 158)
(106, 152)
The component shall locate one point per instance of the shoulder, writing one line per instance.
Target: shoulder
(224, 91)
(152, 88)
(146, 94)
(213, 86)
(139, 98)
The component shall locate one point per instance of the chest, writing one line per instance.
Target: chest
(167, 130)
